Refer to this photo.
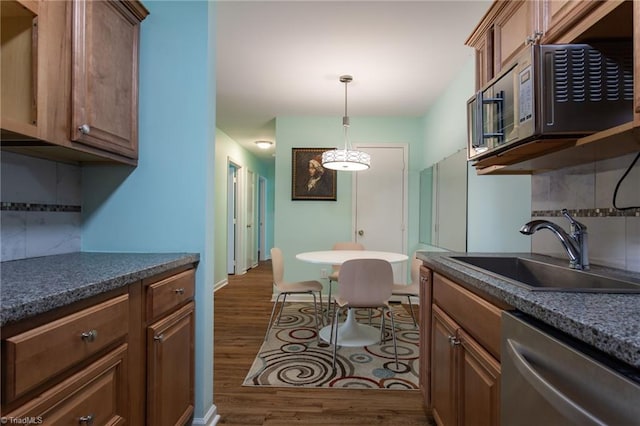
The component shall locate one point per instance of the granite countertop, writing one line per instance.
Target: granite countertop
(608, 321)
(36, 285)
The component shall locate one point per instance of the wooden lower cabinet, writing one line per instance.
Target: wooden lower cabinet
(170, 368)
(444, 358)
(465, 374)
(121, 358)
(97, 395)
(426, 276)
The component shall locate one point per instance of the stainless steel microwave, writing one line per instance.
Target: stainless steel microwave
(552, 91)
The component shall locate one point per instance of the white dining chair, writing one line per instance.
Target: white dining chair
(364, 283)
(410, 290)
(335, 269)
(285, 288)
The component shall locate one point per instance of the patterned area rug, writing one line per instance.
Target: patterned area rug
(291, 355)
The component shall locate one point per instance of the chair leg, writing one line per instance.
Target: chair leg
(335, 336)
(271, 317)
(382, 327)
(333, 323)
(315, 307)
(329, 301)
(284, 300)
(393, 333)
(413, 317)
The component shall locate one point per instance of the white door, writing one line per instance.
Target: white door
(380, 202)
(232, 209)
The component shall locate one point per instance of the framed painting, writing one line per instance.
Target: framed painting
(309, 180)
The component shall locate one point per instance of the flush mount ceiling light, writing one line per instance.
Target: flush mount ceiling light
(347, 158)
(264, 144)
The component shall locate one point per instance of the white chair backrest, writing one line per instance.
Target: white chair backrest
(365, 282)
(415, 270)
(346, 245)
(277, 264)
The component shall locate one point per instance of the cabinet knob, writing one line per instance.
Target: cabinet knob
(454, 341)
(179, 290)
(86, 420)
(158, 337)
(85, 129)
(89, 336)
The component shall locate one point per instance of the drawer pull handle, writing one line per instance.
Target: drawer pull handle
(179, 290)
(89, 336)
(158, 337)
(86, 420)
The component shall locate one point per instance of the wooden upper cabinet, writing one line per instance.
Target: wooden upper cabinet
(513, 30)
(104, 106)
(509, 26)
(19, 44)
(70, 79)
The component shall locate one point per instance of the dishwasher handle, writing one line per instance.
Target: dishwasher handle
(554, 396)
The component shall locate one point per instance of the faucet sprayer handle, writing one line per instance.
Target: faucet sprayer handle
(575, 225)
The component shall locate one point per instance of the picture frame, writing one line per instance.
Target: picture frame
(309, 180)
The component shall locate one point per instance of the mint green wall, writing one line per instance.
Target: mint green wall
(445, 124)
(317, 225)
(496, 205)
(228, 149)
(166, 203)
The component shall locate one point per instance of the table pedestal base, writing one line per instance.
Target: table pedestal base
(353, 334)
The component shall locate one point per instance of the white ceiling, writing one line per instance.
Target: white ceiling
(277, 58)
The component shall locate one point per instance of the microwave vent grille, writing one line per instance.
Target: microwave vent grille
(587, 74)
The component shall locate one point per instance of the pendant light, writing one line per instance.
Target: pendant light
(347, 158)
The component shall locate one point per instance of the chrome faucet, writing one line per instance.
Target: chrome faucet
(575, 244)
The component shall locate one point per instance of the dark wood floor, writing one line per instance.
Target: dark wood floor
(241, 313)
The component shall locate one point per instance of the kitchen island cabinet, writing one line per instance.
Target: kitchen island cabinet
(112, 348)
(70, 88)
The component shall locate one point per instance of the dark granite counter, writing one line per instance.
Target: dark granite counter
(610, 322)
(32, 286)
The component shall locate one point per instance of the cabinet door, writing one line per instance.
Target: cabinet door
(19, 76)
(104, 105)
(425, 334)
(511, 28)
(444, 356)
(170, 368)
(479, 385)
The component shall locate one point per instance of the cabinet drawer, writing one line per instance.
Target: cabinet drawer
(475, 315)
(97, 394)
(37, 355)
(166, 295)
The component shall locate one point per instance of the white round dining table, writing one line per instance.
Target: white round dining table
(350, 332)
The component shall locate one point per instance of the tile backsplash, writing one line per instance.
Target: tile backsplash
(40, 207)
(587, 192)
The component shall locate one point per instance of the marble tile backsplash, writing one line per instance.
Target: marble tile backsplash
(587, 191)
(40, 202)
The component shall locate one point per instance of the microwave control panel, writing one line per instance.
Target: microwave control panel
(525, 91)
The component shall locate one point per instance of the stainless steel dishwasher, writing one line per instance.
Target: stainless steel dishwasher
(549, 378)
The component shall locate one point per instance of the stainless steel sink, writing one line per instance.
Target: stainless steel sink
(540, 276)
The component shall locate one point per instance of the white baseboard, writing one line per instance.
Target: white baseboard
(217, 286)
(211, 418)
